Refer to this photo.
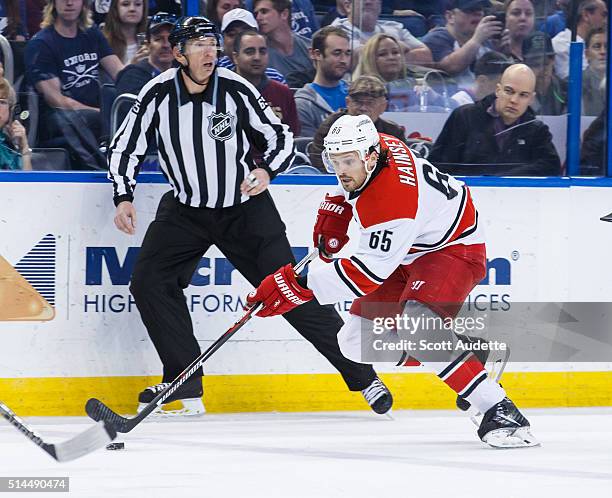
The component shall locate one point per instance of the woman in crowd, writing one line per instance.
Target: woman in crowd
(382, 56)
(520, 22)
(100, 8)
(216, 9)
(124, 21)
(593, 82)
(15, 153)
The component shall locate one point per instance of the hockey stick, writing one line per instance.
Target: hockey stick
(90, 440)
(99, 411)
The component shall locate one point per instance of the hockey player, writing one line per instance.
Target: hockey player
(204, 120)
(420, 247)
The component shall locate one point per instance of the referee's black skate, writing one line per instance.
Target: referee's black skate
(189, 394)
(378, 396)
(504, 426)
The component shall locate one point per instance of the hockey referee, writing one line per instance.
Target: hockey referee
(204, 120)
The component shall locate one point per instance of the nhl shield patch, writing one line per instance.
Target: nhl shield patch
(221, 126)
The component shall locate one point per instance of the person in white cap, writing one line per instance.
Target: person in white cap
(420, 253)
(235, 22)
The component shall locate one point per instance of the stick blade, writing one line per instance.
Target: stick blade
(82, 444)
(607, 217)
(97, 410)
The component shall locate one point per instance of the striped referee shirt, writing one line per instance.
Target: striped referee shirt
(204, 140)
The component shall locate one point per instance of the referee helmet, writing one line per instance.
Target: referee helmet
(187, 28)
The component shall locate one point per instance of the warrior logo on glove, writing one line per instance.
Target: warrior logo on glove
(287, 292)
(279, 293)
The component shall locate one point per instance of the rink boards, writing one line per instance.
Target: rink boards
(75, 331)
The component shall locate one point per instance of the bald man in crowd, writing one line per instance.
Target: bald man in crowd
(498, 135)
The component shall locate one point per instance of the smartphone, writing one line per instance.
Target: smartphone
(501, 17)
(141, 39)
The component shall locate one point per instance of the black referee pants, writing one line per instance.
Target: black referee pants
(252, 237)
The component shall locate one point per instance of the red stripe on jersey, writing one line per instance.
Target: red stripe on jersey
(357, 277)
(461, 377)
(468, 220)
(394, 193)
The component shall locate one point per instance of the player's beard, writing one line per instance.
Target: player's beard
(351, 184)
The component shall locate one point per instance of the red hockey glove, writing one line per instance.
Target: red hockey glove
(333, 220)
(280, 292)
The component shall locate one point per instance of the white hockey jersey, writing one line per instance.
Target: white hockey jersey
(407, 209)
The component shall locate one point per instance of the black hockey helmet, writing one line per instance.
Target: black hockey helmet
(190, 27)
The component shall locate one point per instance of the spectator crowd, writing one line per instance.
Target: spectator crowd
(489, 70)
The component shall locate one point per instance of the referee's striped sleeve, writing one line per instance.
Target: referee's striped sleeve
(129, 144)
(279, 153)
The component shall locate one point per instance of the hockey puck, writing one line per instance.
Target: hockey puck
(115, 446)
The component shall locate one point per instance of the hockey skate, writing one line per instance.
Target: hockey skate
(378, 396)
(189, 395)
(504, 426)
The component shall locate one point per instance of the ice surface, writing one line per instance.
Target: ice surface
(319, 455)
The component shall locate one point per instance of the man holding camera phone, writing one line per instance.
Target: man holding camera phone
(468, 35)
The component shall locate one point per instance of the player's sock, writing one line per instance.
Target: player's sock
(464, 373)
(467, 376)
(485, 395)
(482, 355)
